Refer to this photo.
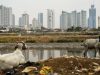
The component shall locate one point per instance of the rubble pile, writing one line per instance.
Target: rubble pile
(74, 66)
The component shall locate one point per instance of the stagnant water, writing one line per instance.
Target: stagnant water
(37, 52)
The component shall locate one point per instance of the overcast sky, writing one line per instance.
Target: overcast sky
(32, 7)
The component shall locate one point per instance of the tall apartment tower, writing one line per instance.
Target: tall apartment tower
(50, 19)
(5, 16)
(92, 17)
(74, 18)
(13, 20)
(65, 20)
(40, 19)
(78, 19)
(20, 22)
(35, 24)
(83, 19)
(99, 21)
(24, 20)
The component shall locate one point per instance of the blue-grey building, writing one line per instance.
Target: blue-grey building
(40, 19)
(92, 17)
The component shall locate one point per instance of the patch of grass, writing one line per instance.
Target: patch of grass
(45, 38)
(30, 41)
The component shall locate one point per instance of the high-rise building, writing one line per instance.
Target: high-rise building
(83, 19)
(92, 17)
(35, 24)
(69, 20)
(99, 21)
(74, 18)
(50, 19)
(24, 20)
(20, 22)
(40, 19)
(65, 20)
(13, 20)
(78, 19)
(5, 16)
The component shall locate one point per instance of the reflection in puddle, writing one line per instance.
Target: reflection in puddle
(36, 55)
(41, 54)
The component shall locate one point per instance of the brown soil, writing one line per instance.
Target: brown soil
(74, 65)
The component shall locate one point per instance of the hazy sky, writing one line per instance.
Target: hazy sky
(32, 7)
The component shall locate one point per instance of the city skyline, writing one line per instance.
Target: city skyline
(32, 7)
(73, 19)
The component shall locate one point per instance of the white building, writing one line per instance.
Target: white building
(13, 20)
(35, 24)
(74, 18)
(50, 19)
(83, 19)
(24, 20)
(99, 21)
(5, 16)
(69, 20)
(78, 19)
(64, 20)
(40, 19)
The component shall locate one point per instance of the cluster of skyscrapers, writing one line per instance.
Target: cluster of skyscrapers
(36, 23)
(78, 19)
(73, 19)
(67, 20)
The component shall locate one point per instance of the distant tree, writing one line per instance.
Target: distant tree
(74, 29)
(98, 28)
(78, 29)
(70, 29)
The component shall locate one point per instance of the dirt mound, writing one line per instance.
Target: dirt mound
(74, 65)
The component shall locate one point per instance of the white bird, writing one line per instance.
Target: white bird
(11, 60)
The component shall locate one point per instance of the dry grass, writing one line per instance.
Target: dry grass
(45, 38)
